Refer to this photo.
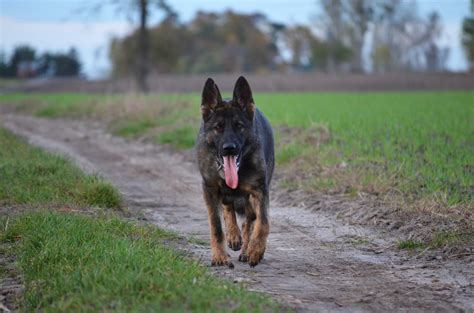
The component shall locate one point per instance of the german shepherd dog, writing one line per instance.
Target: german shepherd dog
(235, 155)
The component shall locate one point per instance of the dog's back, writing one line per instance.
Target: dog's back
(265, 134)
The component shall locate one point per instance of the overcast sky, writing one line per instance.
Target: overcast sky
(56, 25)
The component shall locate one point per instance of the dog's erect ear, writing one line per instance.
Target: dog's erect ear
(211, 97)
(243, 97)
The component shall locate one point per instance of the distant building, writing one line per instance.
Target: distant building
(26, 69)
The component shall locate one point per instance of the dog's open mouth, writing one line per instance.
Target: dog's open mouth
(231, 164)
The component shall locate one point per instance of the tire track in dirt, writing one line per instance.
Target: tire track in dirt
(314, 262)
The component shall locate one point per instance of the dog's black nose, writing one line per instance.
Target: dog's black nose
(229, 146)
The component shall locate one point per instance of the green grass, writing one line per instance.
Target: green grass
(450, 238)
(459, 238)
(424, 140)
(181, 138)
(418, 144)
(133, 128)
(73, 263)
(410, 244)
(54, 104)
(31, 176)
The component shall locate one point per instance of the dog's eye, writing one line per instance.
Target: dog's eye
(219, 127)
(239, 126)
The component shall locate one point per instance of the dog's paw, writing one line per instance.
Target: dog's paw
(234, 241)
(255, 253)
(222, 260)
(255, 259)
(243, 257)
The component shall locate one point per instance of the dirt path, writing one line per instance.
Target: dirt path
(313, 262)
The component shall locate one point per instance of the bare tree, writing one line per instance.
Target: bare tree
(142, 61)
(142, 54)
(468, 36)
(298, 40)
(360, 14)
(346, 23)
(435, 57)
(402, 40)
(137, 10)
(333, 21)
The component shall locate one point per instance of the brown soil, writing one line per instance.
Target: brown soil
(274, 82)
(314, 260)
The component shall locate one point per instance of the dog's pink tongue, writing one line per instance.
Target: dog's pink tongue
(230, 171)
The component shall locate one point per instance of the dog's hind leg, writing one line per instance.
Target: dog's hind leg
(219, 253)
(234, 240)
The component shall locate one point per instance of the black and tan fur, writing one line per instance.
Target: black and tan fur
(235, 127)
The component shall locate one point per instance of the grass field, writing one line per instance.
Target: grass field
(418, 145)
(30, 176)
(73, 262)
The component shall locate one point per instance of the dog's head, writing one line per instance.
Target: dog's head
(228, 125)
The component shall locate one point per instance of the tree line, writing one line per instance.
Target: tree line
(355, 36)
(25, 62)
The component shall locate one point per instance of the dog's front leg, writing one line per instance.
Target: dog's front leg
(246, 229)
(258, 239)
(213, 203)
(234, 240)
